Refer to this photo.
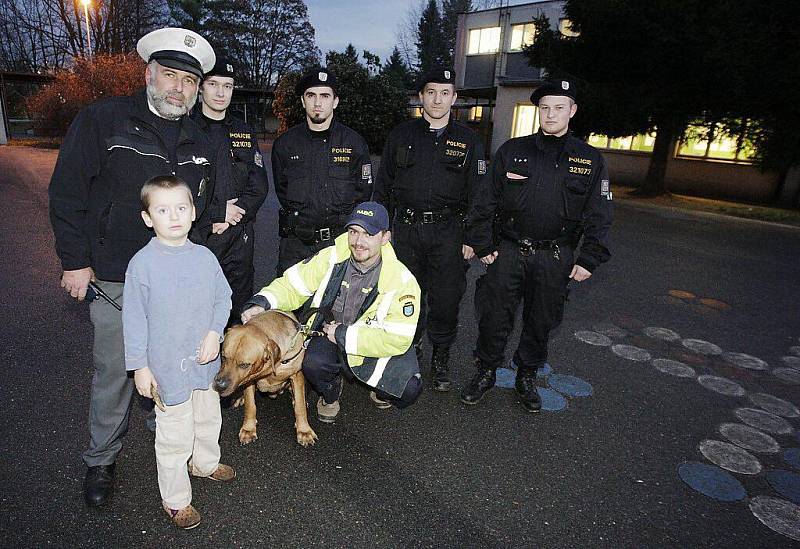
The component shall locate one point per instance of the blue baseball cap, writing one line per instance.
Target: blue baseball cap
(370, 216)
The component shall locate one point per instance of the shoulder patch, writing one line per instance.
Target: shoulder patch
(366, 171)
(408, 309)
(407, 297)
(258, 159)
(481, 167)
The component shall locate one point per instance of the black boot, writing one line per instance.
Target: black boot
(525, 386)
(98, 484)
(440, 366)
(480, 383)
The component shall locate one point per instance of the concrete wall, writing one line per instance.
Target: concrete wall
(503, 113)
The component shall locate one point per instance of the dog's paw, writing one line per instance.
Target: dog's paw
(246, 436)
(238, 402)
(306, 438)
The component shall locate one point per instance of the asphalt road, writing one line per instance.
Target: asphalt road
(604, 472)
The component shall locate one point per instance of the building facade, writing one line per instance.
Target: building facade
(495, 81)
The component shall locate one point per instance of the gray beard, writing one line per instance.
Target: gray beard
(164, 108)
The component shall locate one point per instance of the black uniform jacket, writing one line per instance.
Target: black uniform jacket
(241, 173)
(423, 171)
(323, 180)
(545, 199)
(111, 149)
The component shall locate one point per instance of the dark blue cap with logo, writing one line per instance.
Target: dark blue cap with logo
(370, 216)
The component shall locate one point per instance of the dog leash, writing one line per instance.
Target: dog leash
(302, 330)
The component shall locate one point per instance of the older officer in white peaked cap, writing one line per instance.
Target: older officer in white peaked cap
(112, 148)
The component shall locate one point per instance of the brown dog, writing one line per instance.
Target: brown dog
(267, 352)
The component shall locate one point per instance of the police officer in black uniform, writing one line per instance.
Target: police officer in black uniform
(321, 169)
(546, 190)
(429, 171)
(111, 149)
(242, 184)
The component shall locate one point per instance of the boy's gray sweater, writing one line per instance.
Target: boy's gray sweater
(173, 296)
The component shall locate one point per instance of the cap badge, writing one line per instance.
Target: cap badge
(447, 75)
(323, 77)
(229, 67)
(564, 85)
(190, 41)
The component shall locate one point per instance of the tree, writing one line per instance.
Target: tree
(431, 44)
(370, 104)
(397, 70)
(267, 38)
(450, 11)
(106, 75)
(657, 65)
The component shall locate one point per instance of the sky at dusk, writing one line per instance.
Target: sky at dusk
(367, 24)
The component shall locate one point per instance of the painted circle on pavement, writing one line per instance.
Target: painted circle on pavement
(673, 367)
(630, 352)
(552, 401)
(749, 438)
(777, 514)
(745, 361)
(544, 371)
(610, 330)
(721, 385)
(787, 375)
(711, 481)
(730, 457)
(505, 378)
(786, 483)
(792, 457)
(664, 334)
(570, 385)
(773, 404)
(682, 294)
(702, 347)
(593, 338)
(791, 361)
(764, 421)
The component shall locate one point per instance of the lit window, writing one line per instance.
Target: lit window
(642, 142)
(525, 121)
(475, 114)
(415, 112)
(521, 36)
(565, 28)
(598, 140)
(716, 143)
(484, 40)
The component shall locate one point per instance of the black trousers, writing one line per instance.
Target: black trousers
(292, 250)
(323, 367)
(234, 249)
(540, 281)
(432, 252)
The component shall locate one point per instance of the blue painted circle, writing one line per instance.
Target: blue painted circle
(544, 371)
(505, 378)
(711, 481)
(570, 385)
(786, 483)
(792, 457)
(551, 400)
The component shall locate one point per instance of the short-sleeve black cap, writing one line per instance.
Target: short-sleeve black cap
(564, 88)
(318, 76)
(223, 67)
(437, 76)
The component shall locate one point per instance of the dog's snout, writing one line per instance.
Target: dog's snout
(221, 383)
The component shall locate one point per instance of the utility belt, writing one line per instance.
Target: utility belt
(528, 246)
(307, 234)
(409, 216)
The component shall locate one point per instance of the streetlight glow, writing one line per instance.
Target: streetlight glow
(86, 15)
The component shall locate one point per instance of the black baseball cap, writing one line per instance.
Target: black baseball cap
(370, 216)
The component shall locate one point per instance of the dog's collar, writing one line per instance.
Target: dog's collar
(303, 332)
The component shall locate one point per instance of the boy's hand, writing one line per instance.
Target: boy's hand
(143, 378)
(209, 348)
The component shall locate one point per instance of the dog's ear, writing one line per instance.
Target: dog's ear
(272, 354)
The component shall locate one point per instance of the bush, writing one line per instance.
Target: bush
(54, 106)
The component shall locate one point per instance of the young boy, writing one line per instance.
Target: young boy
(176, 304)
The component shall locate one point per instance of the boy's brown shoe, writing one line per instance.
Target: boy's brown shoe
(186, 518)
(223, 473)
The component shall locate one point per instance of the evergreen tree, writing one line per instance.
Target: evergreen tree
(450, 11)
(431, 44)
(397, 70)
